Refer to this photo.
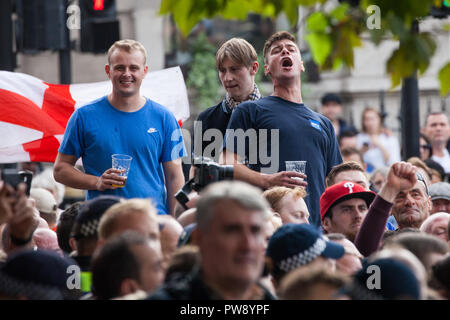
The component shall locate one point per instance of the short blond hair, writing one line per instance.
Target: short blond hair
(275, 194)
(238, 50)
(127, 45)
(109, 220)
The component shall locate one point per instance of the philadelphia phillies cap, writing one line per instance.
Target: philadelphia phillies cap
(342, 191)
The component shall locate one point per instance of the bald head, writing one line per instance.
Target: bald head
(46, 239)
(350, 262)
(170, 231)
(437, 225)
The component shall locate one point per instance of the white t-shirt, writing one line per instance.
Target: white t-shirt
(443, 161)
(374, 156)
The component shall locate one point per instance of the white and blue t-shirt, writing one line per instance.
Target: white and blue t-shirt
(151, 135)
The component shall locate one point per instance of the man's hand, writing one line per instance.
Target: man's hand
(7, 199)
(24, 219)
(192, 203)
(109, 178)
(262, 180)
(401, 176)
(290, 179)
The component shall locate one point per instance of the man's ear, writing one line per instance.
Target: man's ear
(107, 70)
(274, 283)
(100, 242)
(302, 67)
(326, 224)
(128, 286)
(73, 244)
(254, 68)
(146, 69)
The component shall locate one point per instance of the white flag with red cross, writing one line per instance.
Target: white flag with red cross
(34, 113)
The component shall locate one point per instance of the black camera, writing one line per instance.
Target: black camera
(13, 177)
(206, 171)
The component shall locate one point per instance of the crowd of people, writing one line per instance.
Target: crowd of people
(358, 224)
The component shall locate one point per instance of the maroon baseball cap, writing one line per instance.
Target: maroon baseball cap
(343, 191)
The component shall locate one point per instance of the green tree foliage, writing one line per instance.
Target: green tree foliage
(260, 76)
(333, 34)
(415, 48)
(203, 75)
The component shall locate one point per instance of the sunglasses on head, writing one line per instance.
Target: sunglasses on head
(420, 178)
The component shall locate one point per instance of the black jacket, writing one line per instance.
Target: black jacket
(213, 118)
(192, 287)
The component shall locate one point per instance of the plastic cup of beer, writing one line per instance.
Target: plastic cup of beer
(121, 162)
(297, 166)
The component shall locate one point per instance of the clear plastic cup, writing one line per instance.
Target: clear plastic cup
(297, 166)
(121, 162)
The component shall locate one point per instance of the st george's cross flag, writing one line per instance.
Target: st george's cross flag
(34, 113)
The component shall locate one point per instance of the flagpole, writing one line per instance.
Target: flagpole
(65, 74)
(65, 63)
(7, 59)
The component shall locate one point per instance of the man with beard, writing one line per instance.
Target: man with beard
(412, 206)
(401, 177)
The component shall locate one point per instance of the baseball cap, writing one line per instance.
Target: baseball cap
(294, 245)
(45, 201)
(440, 190)
(342, 191)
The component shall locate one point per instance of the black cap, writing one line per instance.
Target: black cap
(91, 212)
(331, 97)
(39, 274)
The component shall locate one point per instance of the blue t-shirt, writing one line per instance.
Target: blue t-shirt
(150, 135)
(303, 135)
